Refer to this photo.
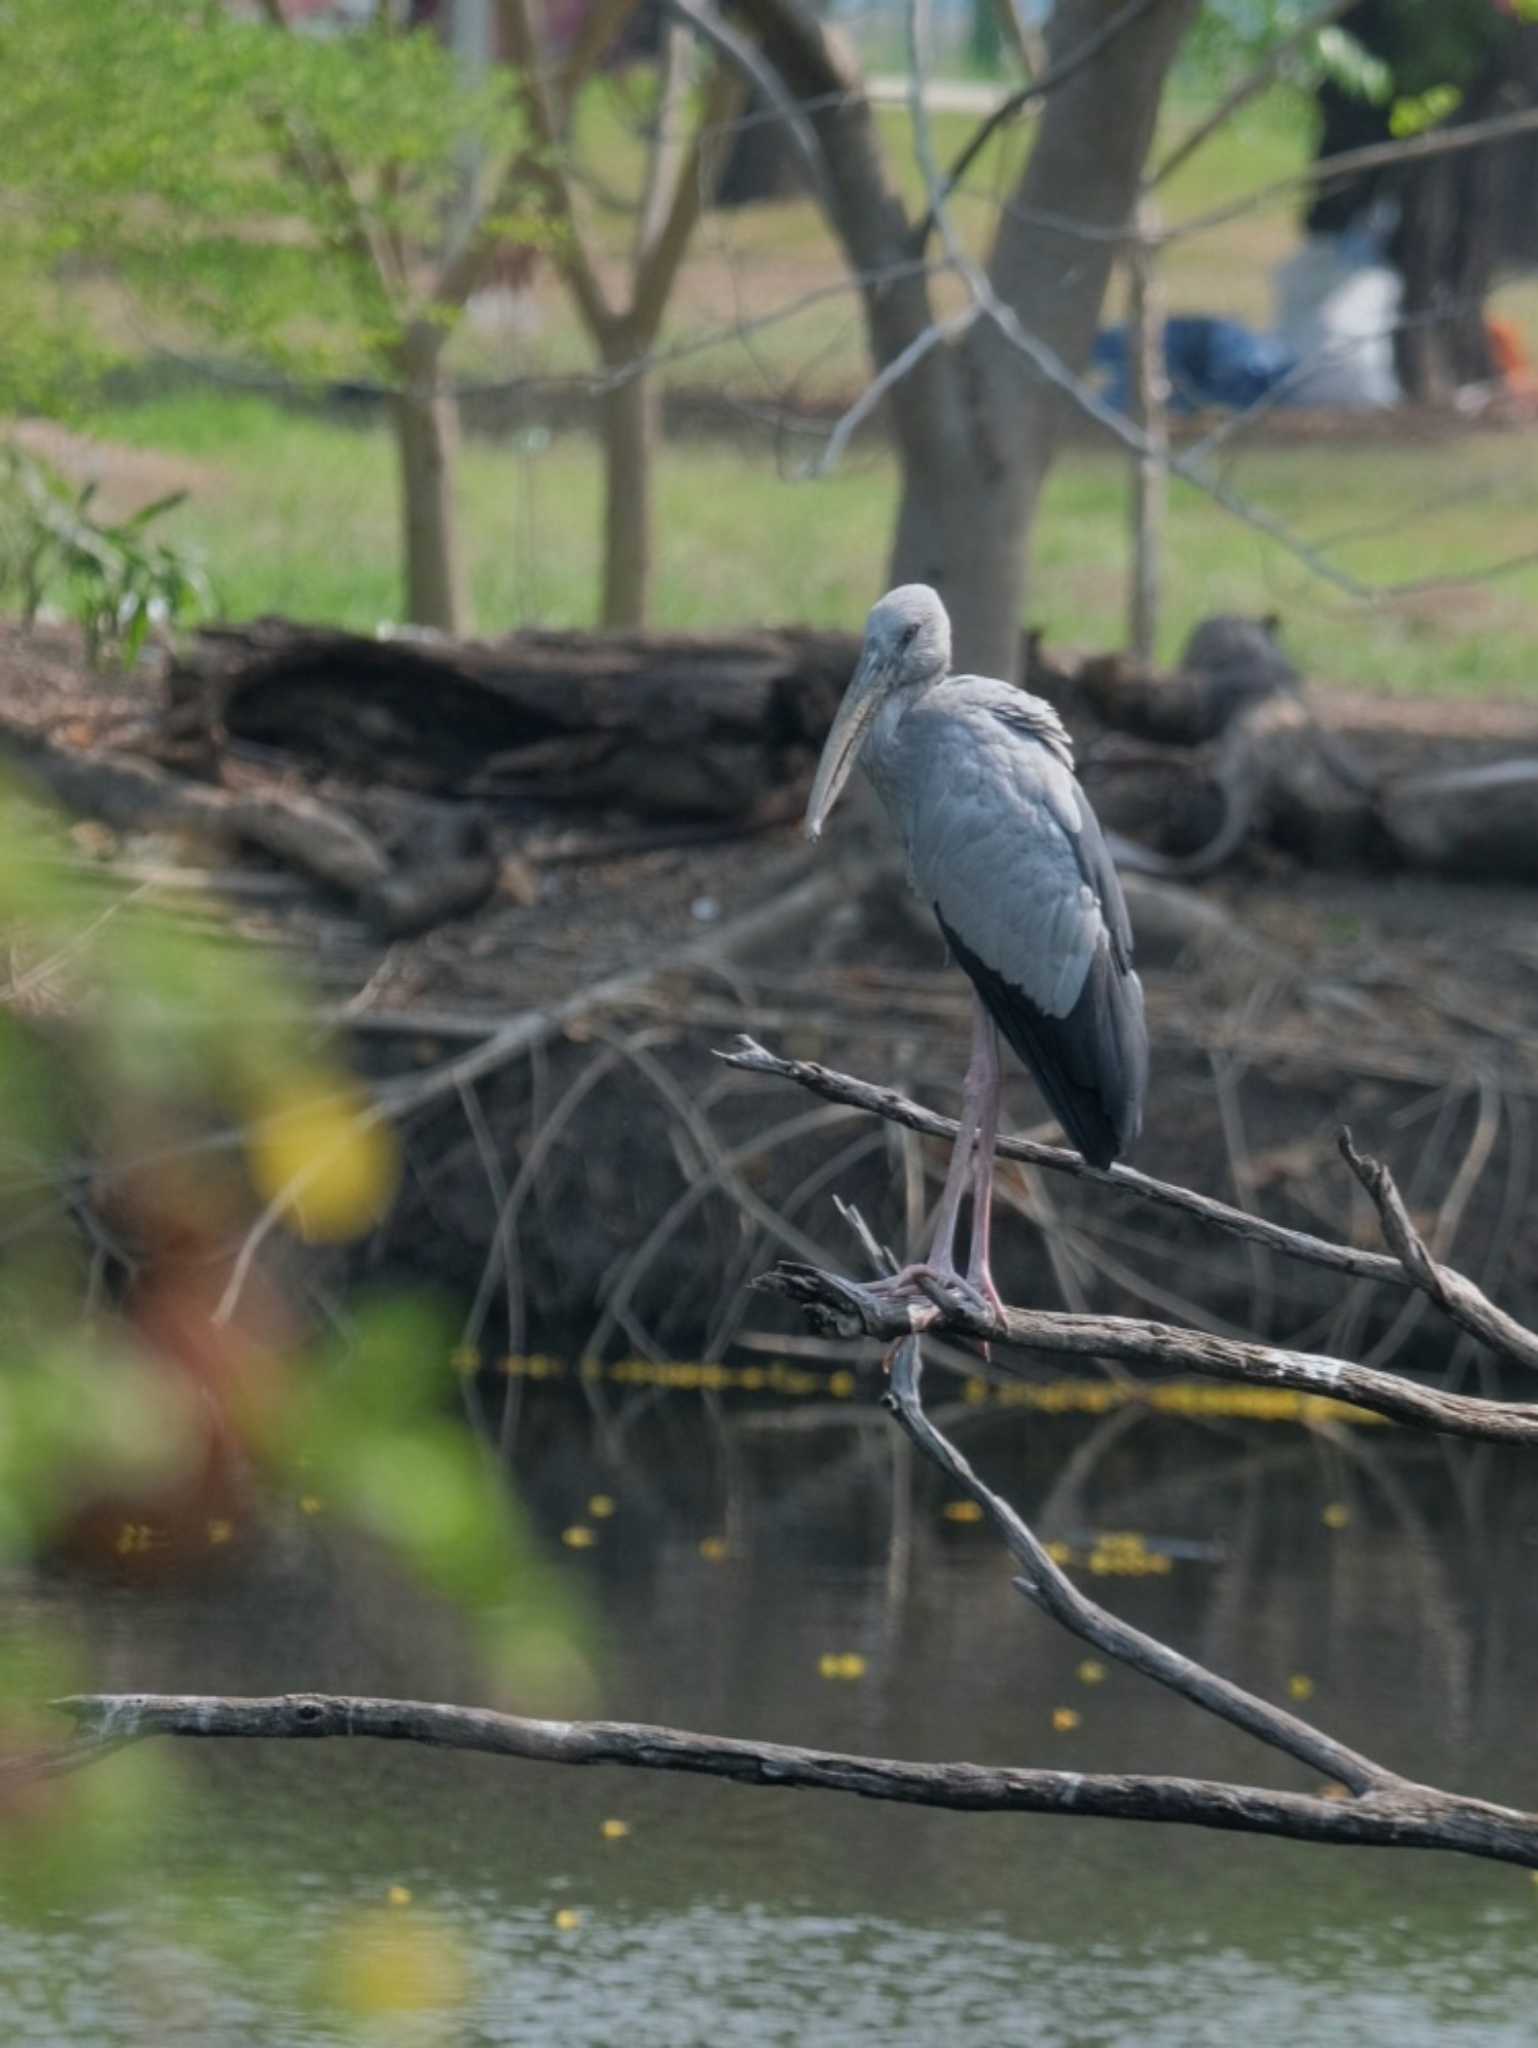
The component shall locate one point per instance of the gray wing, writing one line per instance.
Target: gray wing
(1003, 842)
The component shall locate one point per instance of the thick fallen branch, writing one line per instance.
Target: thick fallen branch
(133, 796)
(1395, 1814)
(1412, 1265)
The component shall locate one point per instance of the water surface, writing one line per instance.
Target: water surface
(261, 1898)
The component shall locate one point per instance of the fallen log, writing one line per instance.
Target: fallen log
(667, 724)
(132, 796)
(1188, 768)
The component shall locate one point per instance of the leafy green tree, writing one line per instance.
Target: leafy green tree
(306, 201)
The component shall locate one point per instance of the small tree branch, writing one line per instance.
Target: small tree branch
(1049, 1587)
(736, 50)
(1458, 1298)
(660, 253)
(543, 169)
(1376, 156)
(600, 24)
(1016, 103)
(896, 1108)
(853, 1309)
(1252, 83)
(1400, 1815)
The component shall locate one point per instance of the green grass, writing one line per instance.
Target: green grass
(296, 514)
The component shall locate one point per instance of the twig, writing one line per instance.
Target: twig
(1351, 163)
(1241, 95)
(1400, 1815)
(1458, 1298)
(1017, 102)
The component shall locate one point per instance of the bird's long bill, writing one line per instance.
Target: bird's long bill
(842, 747)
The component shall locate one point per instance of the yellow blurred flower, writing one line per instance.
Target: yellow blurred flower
(310, 1504)
(1300, 1686)
(1091, 1671)
(567, 1919)
(312, 1146)
(1065, 1719)
(386, 1963)
(841, 1664)
(962, 1511)
(398, 1895)
(579, 1537)
(600, 1507)
(615, 1830)
(1336, 1515)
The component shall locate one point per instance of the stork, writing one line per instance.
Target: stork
(977, 778)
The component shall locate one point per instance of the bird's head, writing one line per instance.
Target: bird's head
(907, 642)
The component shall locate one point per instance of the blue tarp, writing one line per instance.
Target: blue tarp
(1208, 361)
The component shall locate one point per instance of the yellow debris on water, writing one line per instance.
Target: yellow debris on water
(1091, 1672)
(311, 1504)
(1066, 1719)
(1300, 1686)
(579, 1536)
(962, 1511)
(1193, 1399)
(600, 1507)
(1336, 1515)
(615, 1830)
(566, 1919)
(714, 1549)
(1124, 1553)
(841, 1664)
(399, 1895)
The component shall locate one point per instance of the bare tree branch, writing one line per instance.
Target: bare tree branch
(1458, 1298)
(1016, 103)
(1350, 163)
(1411, 1265)
(833, 1086)
(1400, 1815)
(873, 1312)
(660, 252)
(1254, 82)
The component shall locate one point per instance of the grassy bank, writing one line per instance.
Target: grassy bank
(297, 515)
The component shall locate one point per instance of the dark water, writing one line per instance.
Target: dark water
(258, 1904)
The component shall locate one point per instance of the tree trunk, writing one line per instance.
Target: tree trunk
(427, 434)
(631, 419)
(976, 436)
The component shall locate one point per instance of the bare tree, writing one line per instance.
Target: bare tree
(676, 180)
(975, 401)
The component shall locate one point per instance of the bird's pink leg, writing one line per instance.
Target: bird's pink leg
(971, 1166)
(985, 1109)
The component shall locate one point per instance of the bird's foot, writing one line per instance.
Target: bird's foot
(942, 1286)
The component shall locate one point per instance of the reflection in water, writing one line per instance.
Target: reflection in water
(750, 1550)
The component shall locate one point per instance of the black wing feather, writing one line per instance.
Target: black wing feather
(1090, 1065)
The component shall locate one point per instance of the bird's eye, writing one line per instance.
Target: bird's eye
(910, 634)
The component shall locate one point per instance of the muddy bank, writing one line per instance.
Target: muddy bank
(585, 1177)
